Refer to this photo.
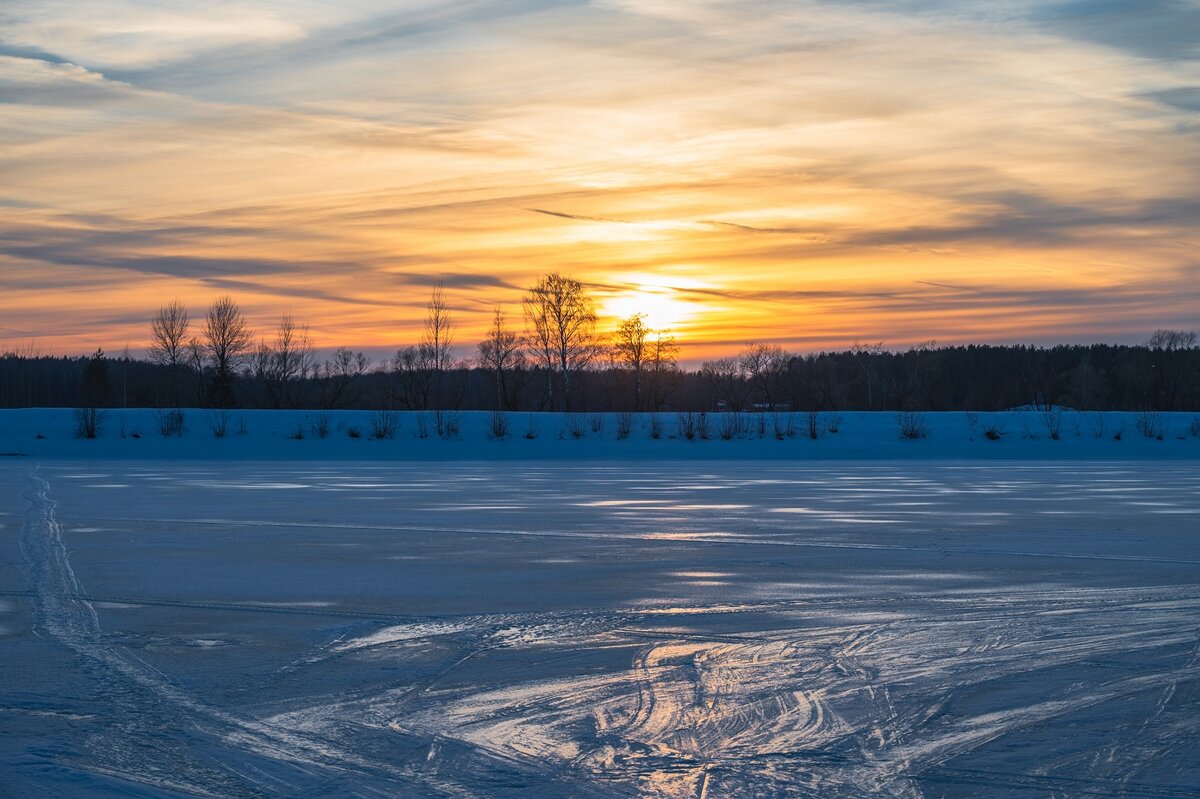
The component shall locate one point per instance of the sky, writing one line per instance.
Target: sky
(806, 173)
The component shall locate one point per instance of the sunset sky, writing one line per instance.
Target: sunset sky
(809, 173)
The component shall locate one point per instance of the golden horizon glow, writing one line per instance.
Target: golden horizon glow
(662, 305)
(808, 173)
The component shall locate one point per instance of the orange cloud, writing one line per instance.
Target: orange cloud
(809, 174)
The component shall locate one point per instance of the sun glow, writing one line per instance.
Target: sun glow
(1026, 177)
(661, 306)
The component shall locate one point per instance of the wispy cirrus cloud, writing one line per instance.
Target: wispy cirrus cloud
(805, 172)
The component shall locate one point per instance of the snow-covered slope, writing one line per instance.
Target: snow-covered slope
(352, 435)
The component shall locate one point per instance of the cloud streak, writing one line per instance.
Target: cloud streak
(807, 172)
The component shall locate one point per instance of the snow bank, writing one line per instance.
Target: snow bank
(50, 433)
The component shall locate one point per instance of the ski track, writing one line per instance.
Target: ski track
(68, 618)
(806, 708)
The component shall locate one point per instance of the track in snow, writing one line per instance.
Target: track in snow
(987, 673)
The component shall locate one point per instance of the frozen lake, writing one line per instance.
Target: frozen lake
(570, 630)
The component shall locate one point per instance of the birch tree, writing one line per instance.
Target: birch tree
(563, 321)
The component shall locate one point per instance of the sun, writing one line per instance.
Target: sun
(661, 306)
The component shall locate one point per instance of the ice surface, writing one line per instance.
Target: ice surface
(553, 629)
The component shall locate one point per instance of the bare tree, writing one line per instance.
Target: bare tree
(726, 382)
(195, 361)
(413, 379)
(648, 355)
(866, 353)
(336, 377)
(262, 364)
(422, 370)
(541, 343)
(663, 368)
(438, 338)
(294, 356)
(919, 390)
(278, 366)
(1171, 340)
(563, 319)
(764, 365)
(169, 335)
(169, 344)
(501, 352)
(437, 352)
(629, 348)
(1166, 347)
(227, 340)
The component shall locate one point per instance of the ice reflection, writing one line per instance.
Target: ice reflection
(683, 630)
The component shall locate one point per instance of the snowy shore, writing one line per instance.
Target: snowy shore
(52, 433)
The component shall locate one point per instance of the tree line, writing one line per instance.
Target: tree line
(559, 360)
